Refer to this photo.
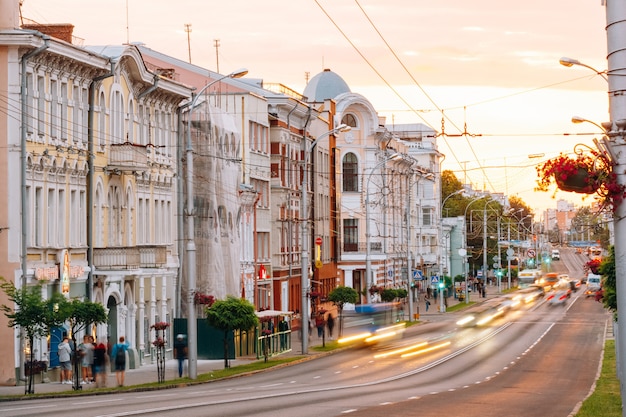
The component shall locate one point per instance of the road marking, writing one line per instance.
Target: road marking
(28, 408)
(352, 410)
(100, 401)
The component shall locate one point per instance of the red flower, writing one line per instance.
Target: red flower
(162, 325)
(203, 299)
(598, 176)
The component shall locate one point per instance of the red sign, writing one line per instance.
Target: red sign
(318, 241)
(262, 272)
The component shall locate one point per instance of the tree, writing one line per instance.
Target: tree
(33, 315)
(231, 314)
(339, 297)
(80, 314)
(609, 292)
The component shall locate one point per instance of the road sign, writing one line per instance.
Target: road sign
(318, 241)
(496, 258)
(510, 252)
(434, 280)
(531, 253)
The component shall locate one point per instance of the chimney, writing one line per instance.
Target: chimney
(62, 31)
(9, 14)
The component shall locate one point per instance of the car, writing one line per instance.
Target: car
(560, 293)
(482, 314)
(556, 255)
(549, 280)
(594, 283)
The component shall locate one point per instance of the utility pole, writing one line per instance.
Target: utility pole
(188, 30)
(216, 44)
(616, 53)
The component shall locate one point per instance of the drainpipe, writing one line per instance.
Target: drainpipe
(90, 179)
(23, 93)
(149, 89)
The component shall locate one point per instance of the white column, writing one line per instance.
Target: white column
(163, 310)
(142, 314)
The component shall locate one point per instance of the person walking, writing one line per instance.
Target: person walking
(100, 364)
(119, 355)
(65, 359)
(330, 322)
(319, 323)
(180, 353)
(85, 350)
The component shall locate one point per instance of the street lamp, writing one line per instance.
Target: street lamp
(304, 225)
(443, 243)
(569, 62)
(422, 175)
(191, 245)
(465, 218)
(368, 260)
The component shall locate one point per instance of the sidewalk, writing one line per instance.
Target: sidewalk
(148, 373)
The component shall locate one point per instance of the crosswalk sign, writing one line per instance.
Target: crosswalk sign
(434, 280)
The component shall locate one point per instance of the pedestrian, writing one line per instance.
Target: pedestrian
(319, 323)
(180, 353)
(65, 360)
(119, 355)
(429, 292)
(427, 304)
(283, 327)
(85, 350)
(100, 364)
(92, 341)
(331, 325)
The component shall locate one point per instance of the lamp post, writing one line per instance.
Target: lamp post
(443, 241)
(408, 239)
(304, 226)
(192, 335)
(465, 217)
(368, 260)
(569, 62)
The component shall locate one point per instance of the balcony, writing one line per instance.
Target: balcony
(375, 247)
(135, 257)
(128, 156)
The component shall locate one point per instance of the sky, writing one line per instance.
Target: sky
(485, 72)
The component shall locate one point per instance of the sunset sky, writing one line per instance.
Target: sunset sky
(491, 68)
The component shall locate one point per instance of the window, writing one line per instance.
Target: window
(41, 106)
(427, 216)
(350, 170)
(350, 235)
(349, 120)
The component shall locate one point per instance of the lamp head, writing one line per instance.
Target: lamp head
(238, 73)
(568, 62)
(343, 128)
(578, 119)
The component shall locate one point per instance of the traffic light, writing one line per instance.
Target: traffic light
(441, 284)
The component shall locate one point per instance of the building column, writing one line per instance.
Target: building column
(141, 315)
(163, 297)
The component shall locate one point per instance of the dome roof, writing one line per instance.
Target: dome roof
(325, 85)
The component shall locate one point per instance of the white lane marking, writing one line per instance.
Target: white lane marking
(100, 401)
(28, 408)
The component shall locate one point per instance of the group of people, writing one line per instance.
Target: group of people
(94, 359)
(321, 322)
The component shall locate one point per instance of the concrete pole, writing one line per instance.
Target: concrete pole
(192, 330)
(616, 53)
(485, 244)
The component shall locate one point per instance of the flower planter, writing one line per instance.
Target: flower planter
(579, 182)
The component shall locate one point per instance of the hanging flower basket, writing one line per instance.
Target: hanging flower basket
(587, 172)
(580, 181)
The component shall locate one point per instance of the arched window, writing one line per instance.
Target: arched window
(349, 120)
(350, 171)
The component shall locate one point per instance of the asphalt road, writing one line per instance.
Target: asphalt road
(537, 361)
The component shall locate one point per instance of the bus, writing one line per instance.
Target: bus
(528, 277)
(373, 323)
